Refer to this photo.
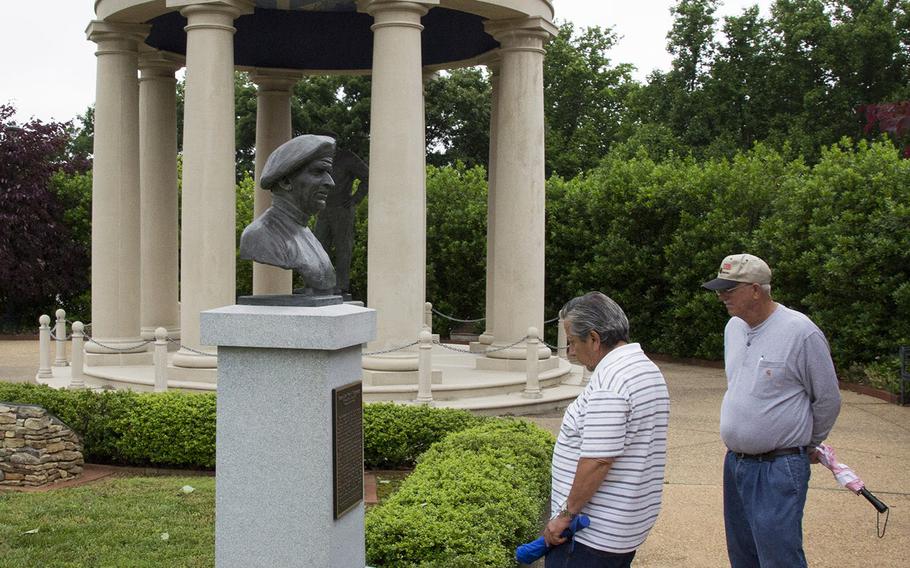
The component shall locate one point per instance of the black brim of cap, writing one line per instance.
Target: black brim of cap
(720, 284)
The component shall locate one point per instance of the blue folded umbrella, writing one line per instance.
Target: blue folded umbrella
(531, 552)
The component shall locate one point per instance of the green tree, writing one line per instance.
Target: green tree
(458, 117)
(585, 98)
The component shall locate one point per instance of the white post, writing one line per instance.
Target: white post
(425, 368)
(44, 347)
(60, 332)
(160, 359)
(561, 340)
(428, 316)
(532, 389)
(78, 378)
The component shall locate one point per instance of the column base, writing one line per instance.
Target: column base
(173, 331)
(395, 378)
(192, 360)
(116, 345)
(405, 361)
(118, 359)
(517, 365)
(520, 351)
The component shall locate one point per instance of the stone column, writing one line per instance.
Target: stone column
(486, 337)
(158, 193)
(115, 190)
(396, 264)
(517, 179)
(208, 242)
(273, 128)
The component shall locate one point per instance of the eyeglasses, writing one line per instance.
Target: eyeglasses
(729, 291)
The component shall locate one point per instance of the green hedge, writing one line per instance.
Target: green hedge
(471, 500)
(649, 232)
(170, 429)
(176, 429)
(395, 435)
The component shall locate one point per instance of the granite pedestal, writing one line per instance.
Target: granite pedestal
(276, 488)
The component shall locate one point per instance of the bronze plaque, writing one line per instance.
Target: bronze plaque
(347, 447)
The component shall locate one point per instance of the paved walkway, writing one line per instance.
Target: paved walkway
(871, 435)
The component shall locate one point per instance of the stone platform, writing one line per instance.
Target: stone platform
(457, 383)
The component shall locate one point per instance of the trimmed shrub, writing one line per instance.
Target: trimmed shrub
(395, 435)
(128, 428)
(471, 500)
(177, 429)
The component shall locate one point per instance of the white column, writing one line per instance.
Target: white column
(396, 262)
(518, 184)
(115, 189)
(273, 128)
(208, 248)
(158, 193)
(487, 337)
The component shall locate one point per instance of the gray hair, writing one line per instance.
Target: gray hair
(595, 311)
(766, 288)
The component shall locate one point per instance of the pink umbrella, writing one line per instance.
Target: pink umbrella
(847, 478)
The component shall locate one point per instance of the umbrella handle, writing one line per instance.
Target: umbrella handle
(879, 506)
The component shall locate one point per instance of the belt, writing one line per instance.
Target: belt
(770, 456)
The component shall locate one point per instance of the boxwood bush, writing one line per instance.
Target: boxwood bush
(175, 429)
(395, 435)
(472, 498)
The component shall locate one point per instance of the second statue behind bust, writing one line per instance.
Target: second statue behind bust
(298, 173)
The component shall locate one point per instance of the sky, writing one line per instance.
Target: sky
(47, 67)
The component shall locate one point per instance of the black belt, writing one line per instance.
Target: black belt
(769, 456)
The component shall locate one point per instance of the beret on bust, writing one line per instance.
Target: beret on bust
(293, 155)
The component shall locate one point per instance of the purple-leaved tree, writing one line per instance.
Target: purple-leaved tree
(41, 264)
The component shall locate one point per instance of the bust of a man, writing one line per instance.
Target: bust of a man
(298, 173)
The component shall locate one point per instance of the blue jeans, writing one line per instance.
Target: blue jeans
(564, 556)
(763, 510)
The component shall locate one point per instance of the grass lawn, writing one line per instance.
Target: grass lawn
(115, 522)
(120, 522)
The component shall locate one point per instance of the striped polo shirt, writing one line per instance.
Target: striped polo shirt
(622, 414)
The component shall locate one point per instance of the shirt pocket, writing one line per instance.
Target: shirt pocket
(770, 379)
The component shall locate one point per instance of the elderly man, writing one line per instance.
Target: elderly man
(299, 175)
(782, 400)
(611, 451)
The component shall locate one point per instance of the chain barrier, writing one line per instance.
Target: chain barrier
(182, 346)
(54, 337)
(554, 347)
(440, 314)
(484, 352)
(119, 349)
(384, 351)
(478, 320)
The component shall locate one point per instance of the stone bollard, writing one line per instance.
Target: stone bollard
(160, 359)
(60, 332)
(561, 340)
(425, 368)
(78, 377)
(428, 316)
(44, 347)
(532, 388)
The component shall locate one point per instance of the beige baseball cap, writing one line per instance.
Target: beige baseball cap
(737, 269)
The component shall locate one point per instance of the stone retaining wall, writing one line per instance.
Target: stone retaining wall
(36, 447)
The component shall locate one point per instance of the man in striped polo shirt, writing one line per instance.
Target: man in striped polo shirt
(611, 451)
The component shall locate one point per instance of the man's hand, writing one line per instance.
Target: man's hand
(813, 455)
(552, 533)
